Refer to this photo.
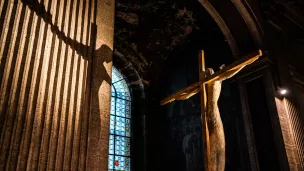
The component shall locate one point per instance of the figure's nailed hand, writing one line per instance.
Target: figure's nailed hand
(208, 72)
(222, 67)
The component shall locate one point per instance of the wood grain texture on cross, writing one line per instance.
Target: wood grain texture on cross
(195, 88)
(205, 130)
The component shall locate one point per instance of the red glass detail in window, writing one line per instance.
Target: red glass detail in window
(116, 163)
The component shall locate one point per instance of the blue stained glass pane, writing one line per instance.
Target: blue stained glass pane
(128, 109)
(120, 107)
(127, 148)
(120, 162)
(128, 128)
(111, 162)
(122, 146)
(112, 124)
(126, 89)
(111, 144)
(112, 106)
(113, 90)
(120, 126)
(127, 164)
(122, 90)
(116, 76)
(123, 163)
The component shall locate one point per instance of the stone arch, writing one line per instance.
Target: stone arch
(248, 19)
(137, 89)
(252, 26)
(222, 25)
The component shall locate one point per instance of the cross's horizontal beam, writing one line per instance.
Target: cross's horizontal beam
(192, 88)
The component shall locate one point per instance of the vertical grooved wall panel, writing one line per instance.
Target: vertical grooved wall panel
(84, 124)
(45, 55)
(298, 130)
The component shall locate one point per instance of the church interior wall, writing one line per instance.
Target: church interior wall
(54, 55)
(285, 48)
(55, 73)
(262, 124)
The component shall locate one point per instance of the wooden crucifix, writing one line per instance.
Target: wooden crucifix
(210, 87)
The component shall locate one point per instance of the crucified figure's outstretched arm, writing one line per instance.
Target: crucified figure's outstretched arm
(230, 74)
(234, 71)
(223, 77)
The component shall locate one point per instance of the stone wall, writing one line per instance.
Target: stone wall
(50, 53)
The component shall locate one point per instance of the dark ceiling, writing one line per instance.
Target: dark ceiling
(147, 32)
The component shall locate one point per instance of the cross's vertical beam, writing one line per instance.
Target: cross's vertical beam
(205, 131)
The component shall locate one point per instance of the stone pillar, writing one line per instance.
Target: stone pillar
(99, 120)
(48, 118)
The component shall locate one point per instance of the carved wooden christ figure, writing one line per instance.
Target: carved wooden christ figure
(212, 126)
(214, 122)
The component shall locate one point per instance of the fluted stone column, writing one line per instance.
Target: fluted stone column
(55, 68)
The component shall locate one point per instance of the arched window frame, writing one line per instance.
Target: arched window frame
(138, 97)
(120, 124)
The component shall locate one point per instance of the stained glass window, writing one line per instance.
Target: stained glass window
(120, 124)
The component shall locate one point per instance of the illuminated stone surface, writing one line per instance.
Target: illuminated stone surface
(46, 64)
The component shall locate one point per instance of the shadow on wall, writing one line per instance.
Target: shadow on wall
(96, 71)
(84, 50)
